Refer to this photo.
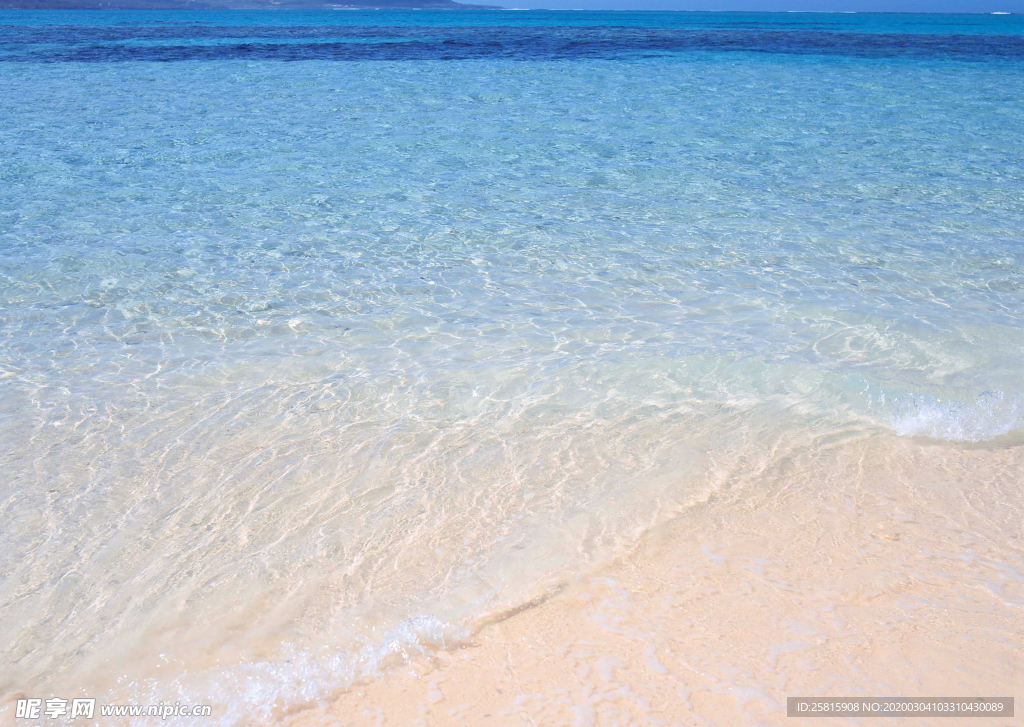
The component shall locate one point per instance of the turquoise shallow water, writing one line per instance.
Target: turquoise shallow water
(303, 363)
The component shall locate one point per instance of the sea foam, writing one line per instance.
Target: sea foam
(993, 414)
(260, 691)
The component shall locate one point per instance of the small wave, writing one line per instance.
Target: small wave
(253, 691)
(993, 414)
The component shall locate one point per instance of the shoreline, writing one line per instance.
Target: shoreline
(870, 588)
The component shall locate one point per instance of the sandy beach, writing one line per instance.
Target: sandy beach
(862, 570)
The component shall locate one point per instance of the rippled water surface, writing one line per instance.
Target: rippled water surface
(305, 364)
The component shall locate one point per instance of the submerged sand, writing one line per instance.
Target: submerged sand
(863, 566)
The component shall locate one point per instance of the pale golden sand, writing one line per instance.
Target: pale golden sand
(866, 567)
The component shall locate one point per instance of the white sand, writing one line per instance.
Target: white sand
(860, 568)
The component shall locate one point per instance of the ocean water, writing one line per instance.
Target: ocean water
(327, 336)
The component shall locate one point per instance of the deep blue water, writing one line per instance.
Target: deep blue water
(100, 37)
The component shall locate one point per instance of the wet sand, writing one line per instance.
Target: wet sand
(863, 567)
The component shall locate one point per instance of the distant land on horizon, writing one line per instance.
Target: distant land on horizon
(238, 5)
